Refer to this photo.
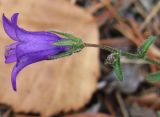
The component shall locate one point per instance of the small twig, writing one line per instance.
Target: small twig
(109, 107)
(122, 41)
(92, 9)
(150, 16)
(121, 104)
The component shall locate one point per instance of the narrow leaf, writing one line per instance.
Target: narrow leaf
(154, 76)
(142, 50)
(117, 68)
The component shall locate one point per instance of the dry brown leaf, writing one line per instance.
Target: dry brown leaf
(49, 87)
(145, 100)
(89, 115)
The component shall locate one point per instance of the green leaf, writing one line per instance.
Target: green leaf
(158, 113)
(154, 76)
(75, 43)
(117, 67)
(142, 50)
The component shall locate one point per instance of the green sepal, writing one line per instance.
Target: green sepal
(64, 54)
(66, 35)
(74, 43)
(142, 49)
(117, 67)
(154, 76)
(64, 42)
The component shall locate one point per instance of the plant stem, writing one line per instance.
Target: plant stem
(151, 61)
(126, 54)
(112, 50)
(104, 47)
(129, 55)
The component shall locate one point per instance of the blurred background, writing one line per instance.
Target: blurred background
(81, 85)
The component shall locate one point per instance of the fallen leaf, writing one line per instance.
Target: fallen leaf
(89, 115)
(49, 87)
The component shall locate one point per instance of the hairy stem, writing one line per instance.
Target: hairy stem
(126, 54)
(151, 61)
(104, 47)
(129, 55)
(112, 50)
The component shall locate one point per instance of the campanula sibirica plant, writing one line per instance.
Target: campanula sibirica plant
(31, 47)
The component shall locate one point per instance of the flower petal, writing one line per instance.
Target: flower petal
(30, 58)
(26, 36)
(14, 18)
(19, 34)
(36, 46)
(9, 28)
(10, 53)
